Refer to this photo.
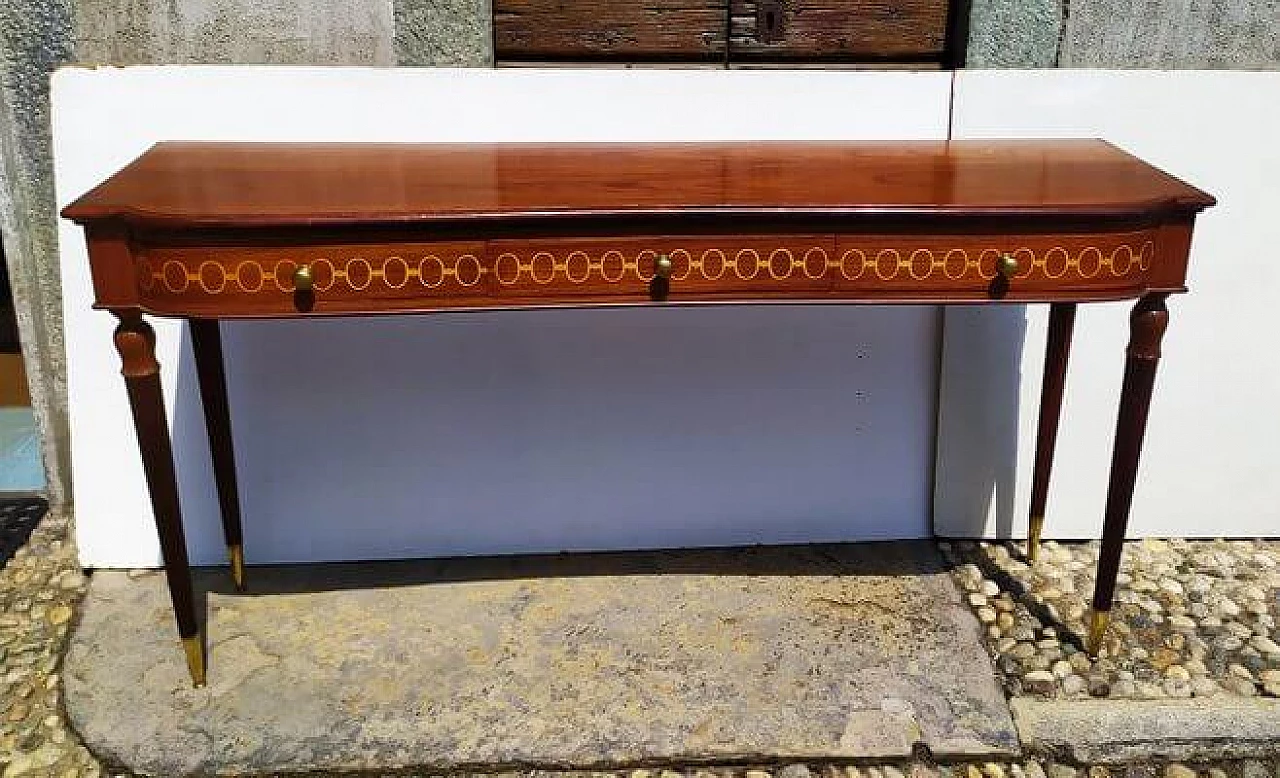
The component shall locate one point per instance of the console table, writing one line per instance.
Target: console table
(210, 231)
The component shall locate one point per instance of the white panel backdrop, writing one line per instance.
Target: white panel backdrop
(474, 433)
(1213, 444)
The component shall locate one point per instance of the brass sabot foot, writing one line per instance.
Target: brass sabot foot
(194, 647)
(1033, 538)
(236, 555)
(1098, 621)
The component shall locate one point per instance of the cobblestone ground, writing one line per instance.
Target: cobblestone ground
(1208, 608)
(39, 590)
(1191, 618)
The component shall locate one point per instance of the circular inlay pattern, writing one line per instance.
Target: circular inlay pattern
(780, 265)
(173, 274)
(212, 278)
(955, 264)
(249, 277)
(1056, 262)
(815, 263)
(888, 264)
(467, 270)
(395, 272)
(577, 267)
(1090, 258)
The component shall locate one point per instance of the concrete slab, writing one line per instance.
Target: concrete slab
(557, 661)
(1119, 731)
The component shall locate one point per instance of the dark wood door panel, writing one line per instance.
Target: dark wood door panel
(838, 30)
(690, 30)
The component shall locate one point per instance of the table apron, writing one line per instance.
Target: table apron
(358, 277)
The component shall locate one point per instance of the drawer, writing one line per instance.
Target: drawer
(700, 266)
(419, 276)
(353, 277)
(970, 265)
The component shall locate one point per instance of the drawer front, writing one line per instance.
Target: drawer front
(700, 266)
(363, 277)
(970, 265)
(418, 276)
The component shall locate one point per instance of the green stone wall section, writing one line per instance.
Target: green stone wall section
(37, 36)
(443, 33)
(1157, 34)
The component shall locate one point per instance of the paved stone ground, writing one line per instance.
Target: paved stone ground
(1191, 618)
(855, 650)
(41, 587)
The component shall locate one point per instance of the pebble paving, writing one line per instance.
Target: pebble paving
(1192, 618)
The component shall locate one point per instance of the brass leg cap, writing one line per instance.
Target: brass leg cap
(236, 555)
(194, 647)
(1098, 621)
(1033, 538)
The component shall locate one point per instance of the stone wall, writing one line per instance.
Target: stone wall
(293, 32)
(1165, 34)
(37, 36)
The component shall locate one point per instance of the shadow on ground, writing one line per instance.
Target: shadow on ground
(557, 661)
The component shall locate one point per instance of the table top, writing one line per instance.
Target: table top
(176, 185)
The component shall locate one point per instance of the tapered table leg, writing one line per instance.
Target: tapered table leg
(135, 340)
(1062, 317)
(206, 342)
(1147, 324)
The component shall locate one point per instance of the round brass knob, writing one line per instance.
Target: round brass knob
(1007, 265)
(662, 268)
(303, 280)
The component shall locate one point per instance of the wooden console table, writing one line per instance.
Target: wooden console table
(205, 231)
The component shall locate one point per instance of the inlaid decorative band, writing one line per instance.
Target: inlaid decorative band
(251, 276)
(429, 271)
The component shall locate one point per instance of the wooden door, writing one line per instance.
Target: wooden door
(732, 32)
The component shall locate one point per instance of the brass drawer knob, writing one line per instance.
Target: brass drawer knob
(1007, 265)
(303, 280)
(662, 268)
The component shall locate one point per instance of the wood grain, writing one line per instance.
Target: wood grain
(492, 187)
(671, 30)
(837, 30)
(1147, 325)
(135, 341)
(230, 280)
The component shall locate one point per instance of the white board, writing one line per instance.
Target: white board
(1213, 441)
(504, 432)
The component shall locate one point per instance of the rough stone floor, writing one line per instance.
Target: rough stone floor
(1193, 637)
(739, 655)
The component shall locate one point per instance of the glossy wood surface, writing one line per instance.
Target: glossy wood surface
(1062, 317)
(135, 341)
(206, 346)
(496, 186)
(1147, 324)
(232, 280)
